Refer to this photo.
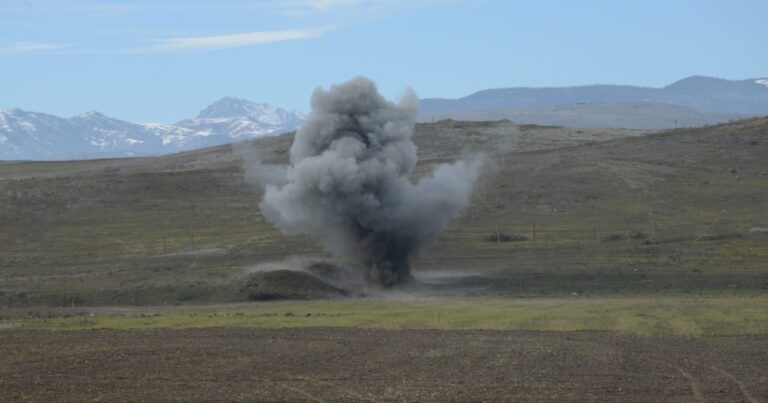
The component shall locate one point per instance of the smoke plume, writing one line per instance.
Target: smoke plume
(349, 182)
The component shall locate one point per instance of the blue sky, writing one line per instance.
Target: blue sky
(164, 60)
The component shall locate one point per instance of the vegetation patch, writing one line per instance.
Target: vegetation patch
(636, 315)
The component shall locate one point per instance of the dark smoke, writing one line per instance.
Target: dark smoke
(349, 184)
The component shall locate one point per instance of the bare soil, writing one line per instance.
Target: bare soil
(240, 364)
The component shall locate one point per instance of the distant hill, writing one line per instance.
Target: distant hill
(714, 99)
(28, 135)
(629, 115)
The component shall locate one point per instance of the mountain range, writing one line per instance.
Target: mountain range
(693, 101)
(39, 136)
(704, 94)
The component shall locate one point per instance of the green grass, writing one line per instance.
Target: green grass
(640, 316)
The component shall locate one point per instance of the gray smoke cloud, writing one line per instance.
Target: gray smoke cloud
(349, 182)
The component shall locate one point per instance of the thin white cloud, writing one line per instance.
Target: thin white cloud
(172, 44)
(282, 7)
(333, 13)
(234, 40)
(33, 47)
(326, 4)
(107, 8)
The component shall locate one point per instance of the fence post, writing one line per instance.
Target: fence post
(534, 232)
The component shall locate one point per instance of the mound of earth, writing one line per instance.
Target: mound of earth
(285, 284)
(333, 273)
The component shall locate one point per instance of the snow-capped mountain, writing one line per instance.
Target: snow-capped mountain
(240, 118)
(28, 135)
(762, 81)
(39, 136)
(113, 136)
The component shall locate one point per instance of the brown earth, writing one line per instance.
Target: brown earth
(240, 364)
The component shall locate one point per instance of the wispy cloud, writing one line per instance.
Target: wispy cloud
(326, 4)
(282, 7)
(107, 8)
(333, 13)
(306, 8)
(199, 43)
(234, 40)
(33, 47)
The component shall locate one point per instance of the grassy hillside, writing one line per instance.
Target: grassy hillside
(614, 211)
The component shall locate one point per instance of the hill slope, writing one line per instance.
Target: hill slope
(558, 211)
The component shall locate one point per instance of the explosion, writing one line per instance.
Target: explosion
(349, 182)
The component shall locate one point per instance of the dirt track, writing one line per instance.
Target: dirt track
(374, 365)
